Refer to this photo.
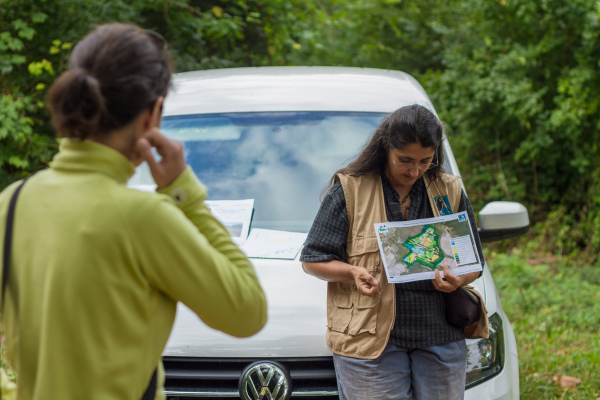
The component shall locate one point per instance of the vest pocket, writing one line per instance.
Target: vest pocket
(366, 302)
(364, 316)
(339, 318)
(355, 313)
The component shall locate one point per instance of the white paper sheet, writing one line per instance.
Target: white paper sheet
(264, 243)
(235, 215)
(413, 250)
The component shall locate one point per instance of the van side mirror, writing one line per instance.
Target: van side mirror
(500, 220)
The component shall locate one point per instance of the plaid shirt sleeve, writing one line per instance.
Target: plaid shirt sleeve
(326, 240)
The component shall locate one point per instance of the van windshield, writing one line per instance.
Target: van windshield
(281, 160)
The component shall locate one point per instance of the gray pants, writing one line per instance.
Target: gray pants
(433, 373)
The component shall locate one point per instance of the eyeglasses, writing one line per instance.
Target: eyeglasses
(410, 165)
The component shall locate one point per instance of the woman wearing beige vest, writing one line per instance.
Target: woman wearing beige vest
(390, 341)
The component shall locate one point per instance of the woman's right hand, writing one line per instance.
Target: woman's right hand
(365, 282)
(172, 162)
(338, 271)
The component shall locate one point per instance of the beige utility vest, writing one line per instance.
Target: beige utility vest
(359, 326)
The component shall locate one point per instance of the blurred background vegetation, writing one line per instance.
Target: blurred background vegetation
(517, 82)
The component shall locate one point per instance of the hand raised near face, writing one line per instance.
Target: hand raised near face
(172, 162)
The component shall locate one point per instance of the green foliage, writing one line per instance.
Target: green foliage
(517, 82)
(520, 85)
(555, 313)
(393, 34)
(521, 92)
(23, 148)
(36, 38)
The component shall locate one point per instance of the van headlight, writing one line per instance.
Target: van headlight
(485, 357)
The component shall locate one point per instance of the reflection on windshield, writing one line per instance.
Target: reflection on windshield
(282, 160)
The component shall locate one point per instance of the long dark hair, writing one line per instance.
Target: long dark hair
(115, 73)
(405, 126)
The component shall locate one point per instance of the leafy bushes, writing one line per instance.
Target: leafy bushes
(36, 38)
(517, 82)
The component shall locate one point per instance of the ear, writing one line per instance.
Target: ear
(154, 118)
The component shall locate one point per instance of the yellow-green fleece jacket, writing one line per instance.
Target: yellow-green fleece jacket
(97, 270)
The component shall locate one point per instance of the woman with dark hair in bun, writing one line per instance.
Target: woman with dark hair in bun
(97, 269)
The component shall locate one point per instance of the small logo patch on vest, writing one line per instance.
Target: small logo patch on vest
(443, 205)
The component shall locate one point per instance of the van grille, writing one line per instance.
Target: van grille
(217, 378)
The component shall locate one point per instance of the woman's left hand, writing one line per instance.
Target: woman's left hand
(452, 282)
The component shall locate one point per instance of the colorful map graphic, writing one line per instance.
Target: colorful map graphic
(424, 248)
(414, 250)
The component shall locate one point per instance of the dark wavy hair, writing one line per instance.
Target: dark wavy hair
(405, 126)
(116, 72)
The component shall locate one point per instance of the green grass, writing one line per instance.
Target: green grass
(554, 309)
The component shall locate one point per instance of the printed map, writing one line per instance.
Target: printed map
(424, 248)
(421, 247)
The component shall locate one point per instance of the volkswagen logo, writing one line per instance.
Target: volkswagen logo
(265, 380)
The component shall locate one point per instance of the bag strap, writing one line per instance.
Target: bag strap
(10, 217)
(150, 392)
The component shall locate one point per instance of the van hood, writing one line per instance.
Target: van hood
(296, 326)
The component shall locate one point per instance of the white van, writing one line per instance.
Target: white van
(276, 135)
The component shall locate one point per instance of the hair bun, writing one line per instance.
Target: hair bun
(115, 73)
(77, 104)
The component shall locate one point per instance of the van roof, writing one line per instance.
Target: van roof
(281, 89)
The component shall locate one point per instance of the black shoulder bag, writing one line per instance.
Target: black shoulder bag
(462, 308)
(150, 391)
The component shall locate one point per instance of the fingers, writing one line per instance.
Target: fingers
(376, 286)
(369, 290)
(450, 277)
(372, 281)
(367, 284)
(144, 150)
(438, 282)
(164, 146)
(155, 138)
(451, 283)
(172, 162)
